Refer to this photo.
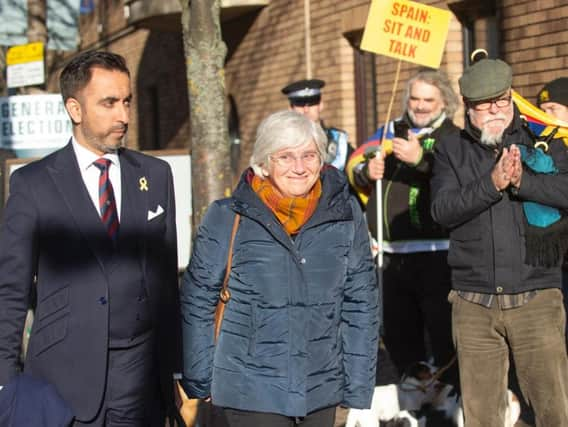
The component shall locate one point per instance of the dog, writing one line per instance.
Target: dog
(512, 413)
(419, 400)
(404, 419)
(394, 402)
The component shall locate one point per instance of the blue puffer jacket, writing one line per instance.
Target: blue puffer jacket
(300, 330)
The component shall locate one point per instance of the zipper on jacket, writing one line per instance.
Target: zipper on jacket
(491, 279)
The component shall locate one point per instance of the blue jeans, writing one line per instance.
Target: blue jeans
(534, 334)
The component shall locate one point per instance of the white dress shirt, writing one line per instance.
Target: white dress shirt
(90, 174)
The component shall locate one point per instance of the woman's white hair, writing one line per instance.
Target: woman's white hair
(281, 130)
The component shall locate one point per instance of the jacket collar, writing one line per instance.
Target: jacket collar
(65, 172)
(333, 204)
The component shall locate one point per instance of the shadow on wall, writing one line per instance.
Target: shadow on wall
(161, 86)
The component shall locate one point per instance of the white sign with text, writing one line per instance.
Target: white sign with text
(28, 74)
(34, 122)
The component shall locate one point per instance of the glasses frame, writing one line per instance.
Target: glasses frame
(277, 159)
(486, 105)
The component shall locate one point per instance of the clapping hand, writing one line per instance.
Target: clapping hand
(508, 170)
(517, 173)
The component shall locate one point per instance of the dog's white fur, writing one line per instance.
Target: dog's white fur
(393, 401)
(405, 415)
(512, 413)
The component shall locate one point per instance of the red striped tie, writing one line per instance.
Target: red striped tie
(107, 205)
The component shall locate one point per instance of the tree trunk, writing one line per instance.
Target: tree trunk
(37, 29)
(205, 56)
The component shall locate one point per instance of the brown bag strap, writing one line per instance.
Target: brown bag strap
(225, 294)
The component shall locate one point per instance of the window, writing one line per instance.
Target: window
(234, 134)
(365, 94)
(480, 21)
(353, 22)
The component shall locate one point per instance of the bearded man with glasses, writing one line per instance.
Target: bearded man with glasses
(502, 195)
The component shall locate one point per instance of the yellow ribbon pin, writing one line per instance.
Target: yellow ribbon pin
(143, 184)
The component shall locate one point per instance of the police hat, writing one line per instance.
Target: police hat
(554, 91)
(486, 79)
(304, 92)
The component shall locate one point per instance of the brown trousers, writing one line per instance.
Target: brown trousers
(534, 334)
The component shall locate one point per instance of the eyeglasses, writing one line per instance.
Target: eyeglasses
(486, 105)
(287, 159)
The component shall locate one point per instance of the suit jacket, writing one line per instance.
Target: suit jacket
(53, 237)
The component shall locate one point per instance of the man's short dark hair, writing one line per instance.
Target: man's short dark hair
(77, 73)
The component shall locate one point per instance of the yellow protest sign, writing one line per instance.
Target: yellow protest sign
(407, 30)
(24, 53)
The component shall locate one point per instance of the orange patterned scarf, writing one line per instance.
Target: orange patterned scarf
(292, 212)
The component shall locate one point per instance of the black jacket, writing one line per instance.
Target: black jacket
(487, 227)
(402, 183)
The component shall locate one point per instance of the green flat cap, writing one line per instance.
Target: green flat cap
(485, 79)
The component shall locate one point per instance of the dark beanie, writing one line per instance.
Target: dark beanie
(554, 91)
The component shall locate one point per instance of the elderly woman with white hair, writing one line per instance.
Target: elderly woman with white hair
(299, 333)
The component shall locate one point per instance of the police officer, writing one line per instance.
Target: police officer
(305, 98)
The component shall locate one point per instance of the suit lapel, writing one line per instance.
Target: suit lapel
(134, 204)
(68, 180)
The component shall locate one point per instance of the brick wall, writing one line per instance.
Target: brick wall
(272, 54)
(535, 42)
(160, 112)
(267, 51)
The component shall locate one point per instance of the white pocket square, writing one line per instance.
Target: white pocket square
(153, 214)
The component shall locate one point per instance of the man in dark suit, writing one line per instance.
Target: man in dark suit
(92, 227)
